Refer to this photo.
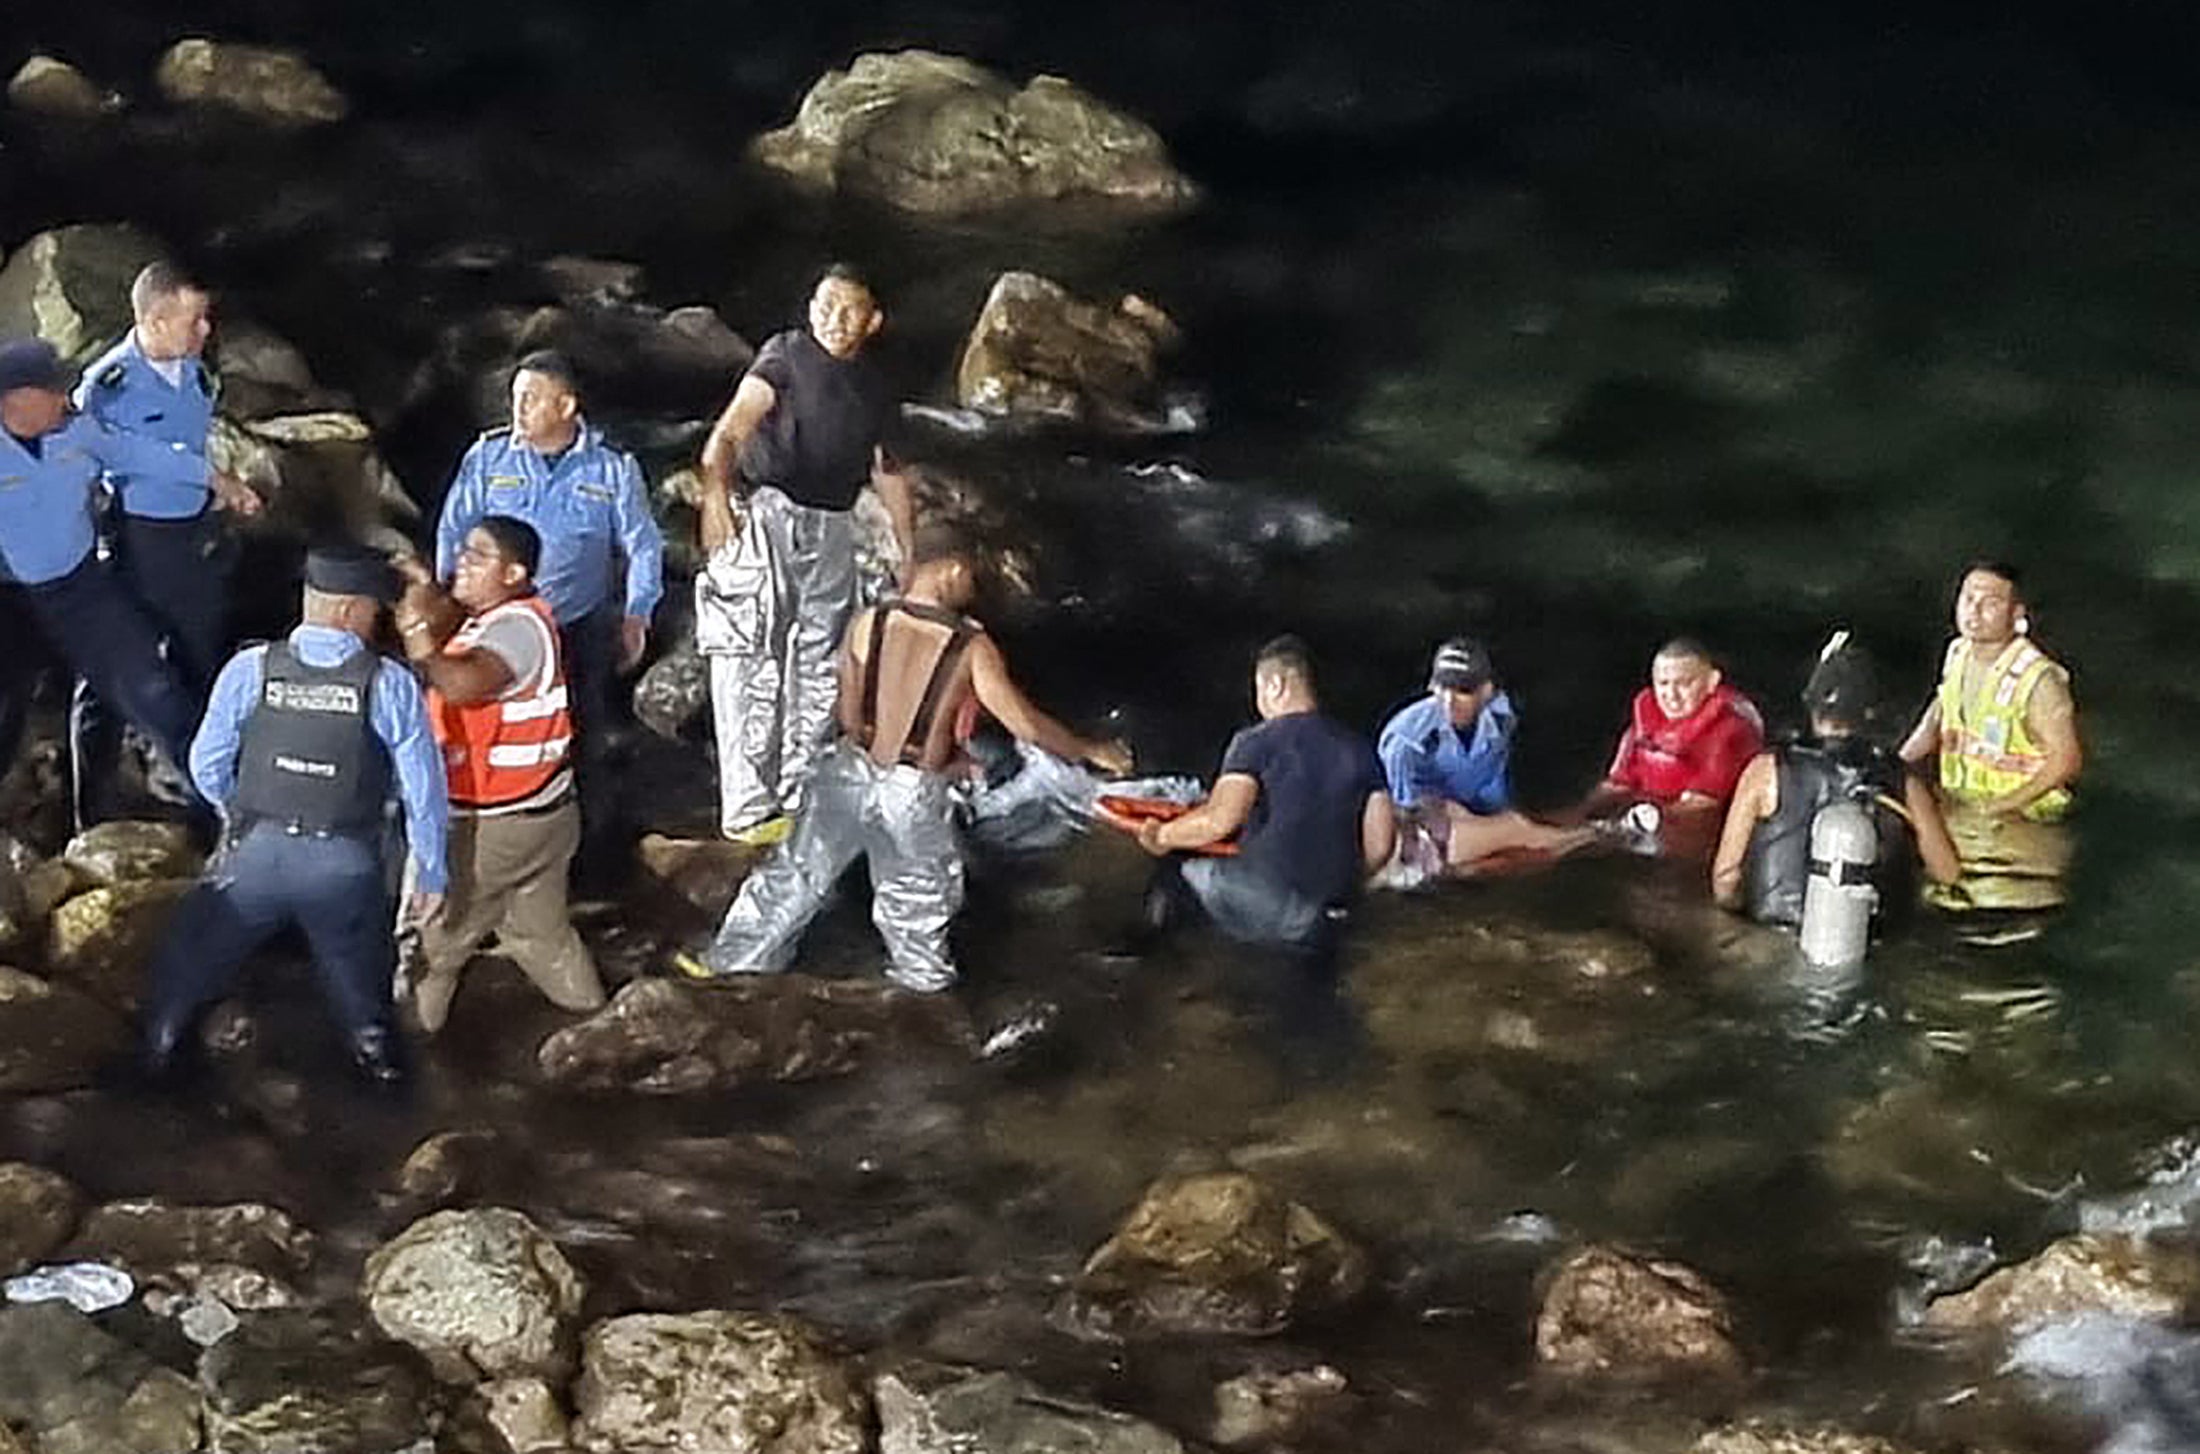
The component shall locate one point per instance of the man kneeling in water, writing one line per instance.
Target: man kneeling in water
(1764, 857)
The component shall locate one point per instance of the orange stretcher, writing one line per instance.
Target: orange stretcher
(1129, 814)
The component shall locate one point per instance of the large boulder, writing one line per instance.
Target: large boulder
(730, 1383)
(627, 349)
(74, 1388)
(925, 1409)
(38, 1211)
(104, 940)
(704, 872)
(525, 1414)
(181, 1246)
(661, 1038)
(941, 136)
(2092, 1272)
(1216, 1253)
(71, 286)
(1610, 1314)
(1036, 350)
(481, 1293)
(53, 1036)
(320, 474)
(303, 1383)
(279, 87)
(263, 374)
(49, 86)
(129, 852)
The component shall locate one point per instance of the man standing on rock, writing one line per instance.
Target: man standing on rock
(300, 741)
(497, 702)
(781, 472)
(587, 503)
(907, 669)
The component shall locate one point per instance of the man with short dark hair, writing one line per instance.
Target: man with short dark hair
(497, 702)
(301, 740)
(781, 473)
(1688, 737)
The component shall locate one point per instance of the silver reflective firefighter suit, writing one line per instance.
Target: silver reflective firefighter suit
(879, 794)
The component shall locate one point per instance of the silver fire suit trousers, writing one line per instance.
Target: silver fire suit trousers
(769, 612)
(900, 819)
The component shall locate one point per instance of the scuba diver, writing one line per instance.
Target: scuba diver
(1824, 835)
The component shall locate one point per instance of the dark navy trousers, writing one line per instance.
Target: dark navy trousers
(591, 651)
(332, 888)
(107, 638)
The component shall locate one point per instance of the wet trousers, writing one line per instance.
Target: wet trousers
(508, 875)
(899, 819)
(774, 677)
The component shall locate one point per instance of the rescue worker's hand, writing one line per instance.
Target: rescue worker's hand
(421, 905)
(1149, 838)
(633, 641)
(719, 523)
(413, 569)
(1110, 757)
(231, 493)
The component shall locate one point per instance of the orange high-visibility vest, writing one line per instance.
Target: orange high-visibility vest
(510, 748)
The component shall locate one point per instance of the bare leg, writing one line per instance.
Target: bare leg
(1476, 837)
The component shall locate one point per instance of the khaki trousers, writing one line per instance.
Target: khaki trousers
(508, 877)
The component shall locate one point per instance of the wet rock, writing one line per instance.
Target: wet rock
(302, 1383)
(634, 347)
(590, 279)
(119, 853)
(103, 941)
(938, 135)
(1762, 1438)
(320, 474)
(926, 1409)
(674, 691)
(278, 87)
(38, 1211)
(441, 1167)
(160, 1242)
(1218, 1253)
(732, 1383)
(707, 872)
(2089, 1273)
(53, 1036)
(1614, 1315)
(1038, 351)
(53, 87)
(263, 375)
(524, 1413)
(660, 1038)
(71, 286)
(482, 1294)
(1275, 1406)
(76, 1389)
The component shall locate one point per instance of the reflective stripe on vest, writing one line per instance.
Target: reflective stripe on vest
(506, 750)
(1986, 748)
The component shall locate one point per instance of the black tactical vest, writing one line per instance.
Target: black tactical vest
(1810, 777)
(308, 756)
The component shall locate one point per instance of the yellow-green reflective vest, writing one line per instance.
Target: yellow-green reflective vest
(1986, 749)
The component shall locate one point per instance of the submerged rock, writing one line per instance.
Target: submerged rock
(70, 1385)
(104, 940)
(926, 1409)
(71, 286)
(161, 1241)
(2089, 1273)
(939, 135)
(53, 1036)
(38, 1211)
(1038, 351)
(730, 1383)
(128, 852)
(482, 1293)
(1218, 1253)
(666, 1039)
(1274, 1406)
(302, 1383)
(1763, 1438)
(1610, 1314)
(279, 87)
(53, 87)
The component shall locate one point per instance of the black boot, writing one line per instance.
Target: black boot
(374, 1056)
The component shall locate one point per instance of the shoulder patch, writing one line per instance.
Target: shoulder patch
(497, 433)
(110, 377)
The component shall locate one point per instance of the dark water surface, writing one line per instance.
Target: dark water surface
(1575, 335)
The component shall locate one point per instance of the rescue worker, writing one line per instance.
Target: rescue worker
(497, 702)
(1688, 737)
(553, 469)
(301, 739)
(782, 470)
(50, 465)
(1447, 761)
(1764, 854)
(908, 669)
(2004, 729)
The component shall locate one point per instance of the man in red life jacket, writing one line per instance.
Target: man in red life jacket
(1686, 743)
(497, 702)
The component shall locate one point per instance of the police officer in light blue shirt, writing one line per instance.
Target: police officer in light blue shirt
(51, 462)
(301, 740)
(587, 502)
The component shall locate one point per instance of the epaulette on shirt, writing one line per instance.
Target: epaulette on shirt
(497, 433)
(111, 376)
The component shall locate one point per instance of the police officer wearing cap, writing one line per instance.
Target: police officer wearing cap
(51, 461)
(301, 740)
(554, 470)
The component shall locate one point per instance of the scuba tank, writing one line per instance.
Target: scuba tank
(1838, 897)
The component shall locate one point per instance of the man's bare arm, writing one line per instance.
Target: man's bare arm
(1935, 848)
(1378, 831)
(1224, 812)
(752, 400)
(899, 497)
(1756, 797)
(1000, 695)
(465, 678)
(1923, 743)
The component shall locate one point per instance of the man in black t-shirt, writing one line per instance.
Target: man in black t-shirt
(1305, 799)
(782, 470)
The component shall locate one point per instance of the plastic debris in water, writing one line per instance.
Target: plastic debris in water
(89, 1287)
(1020, 1029)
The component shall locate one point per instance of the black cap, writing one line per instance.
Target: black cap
(353, 570)
(1844, 686)
(1462, 664)
(31, 363)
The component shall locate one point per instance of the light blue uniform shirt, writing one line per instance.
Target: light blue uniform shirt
(46, 498)
(123, 390)
(1425, 758)
(395, 710)
(588, 506)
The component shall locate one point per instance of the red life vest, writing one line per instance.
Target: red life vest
(509, 748)
(1703, 752)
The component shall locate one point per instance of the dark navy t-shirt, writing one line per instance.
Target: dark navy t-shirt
(815, 445)
(1315, 776)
